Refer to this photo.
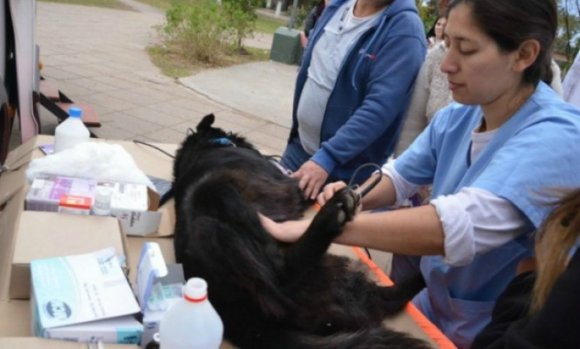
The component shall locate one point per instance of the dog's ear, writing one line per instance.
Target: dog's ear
(206, 122)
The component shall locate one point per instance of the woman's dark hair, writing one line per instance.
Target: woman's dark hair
(511, 22)
(431, 32)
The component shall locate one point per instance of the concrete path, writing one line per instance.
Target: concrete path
(141, 7)
(263, 89)
(98, 56)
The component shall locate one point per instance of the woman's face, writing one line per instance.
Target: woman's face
(439, 26)
(477, 71)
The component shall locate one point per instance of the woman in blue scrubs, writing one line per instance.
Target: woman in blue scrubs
(493, 158)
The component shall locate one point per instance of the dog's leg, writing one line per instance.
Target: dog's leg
(396, 297)
(327, 225)
(226, 238)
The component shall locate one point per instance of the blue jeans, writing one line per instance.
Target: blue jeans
(294, 155)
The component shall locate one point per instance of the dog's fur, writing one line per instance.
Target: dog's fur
(271, 294)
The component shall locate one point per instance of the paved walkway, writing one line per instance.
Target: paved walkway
(141, 7)
(98, 56)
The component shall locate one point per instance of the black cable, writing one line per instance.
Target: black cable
(367, 189)
(373, 184)
(136, 141)
(366, 249)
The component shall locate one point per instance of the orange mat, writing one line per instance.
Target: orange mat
(427, 326)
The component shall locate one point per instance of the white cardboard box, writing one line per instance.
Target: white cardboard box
(83, 296)
(158, 287)
(134, 205)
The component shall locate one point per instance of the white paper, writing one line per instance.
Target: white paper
(81, 288)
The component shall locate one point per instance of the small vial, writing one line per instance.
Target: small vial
(102, 204)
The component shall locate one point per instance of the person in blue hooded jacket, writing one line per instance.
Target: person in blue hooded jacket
(352, 89)
(493, 158)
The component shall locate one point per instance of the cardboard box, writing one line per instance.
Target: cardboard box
(46, 191)
(135, 205)
(158, 287)
(84, 298)
(121, 330)
(74, 205)
(15, 319)
(48, 234)
(39, 343)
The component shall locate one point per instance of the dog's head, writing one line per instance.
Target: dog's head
(207, 136)
(203, 138)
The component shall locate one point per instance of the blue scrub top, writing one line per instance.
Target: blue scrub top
(532, 156)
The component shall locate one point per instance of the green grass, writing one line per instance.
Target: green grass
(170, 64)
(162, 4)
(264, 24)
(258, 54)
(268, 25)
(96, 3)
(173, 64)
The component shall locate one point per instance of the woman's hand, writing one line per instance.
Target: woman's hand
(311, 178)
(288, 231)
(328, 192)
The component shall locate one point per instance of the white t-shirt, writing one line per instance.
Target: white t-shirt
(340, 33)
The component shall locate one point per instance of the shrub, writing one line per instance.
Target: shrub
(197, 28)
(207, 30)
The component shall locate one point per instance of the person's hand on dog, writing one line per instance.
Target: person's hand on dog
(312, 177)
(328, 192)
(288, 231)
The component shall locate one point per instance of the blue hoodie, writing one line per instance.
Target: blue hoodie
(372, 91)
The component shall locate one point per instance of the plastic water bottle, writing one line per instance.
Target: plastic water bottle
(191, 323)
(71, 132)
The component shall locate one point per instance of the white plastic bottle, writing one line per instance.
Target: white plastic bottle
(71, 132)
(191, 323)
(102, 203)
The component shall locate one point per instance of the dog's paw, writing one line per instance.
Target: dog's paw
(343, 204)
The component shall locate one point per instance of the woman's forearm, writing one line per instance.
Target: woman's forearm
(382, 195)
(412, 231)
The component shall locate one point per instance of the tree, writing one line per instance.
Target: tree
(429, 10)
(568, 30)
(241, 16)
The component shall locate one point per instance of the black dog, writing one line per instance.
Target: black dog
(272, 295)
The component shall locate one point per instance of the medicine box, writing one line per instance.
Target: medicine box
(47, 191)
(74, 204)
(158, 288)
(134, 205)
(84, 298)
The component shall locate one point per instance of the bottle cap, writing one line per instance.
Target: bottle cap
(195, 290)
(75, 112)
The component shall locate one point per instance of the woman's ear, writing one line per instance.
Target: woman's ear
(526, 55)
